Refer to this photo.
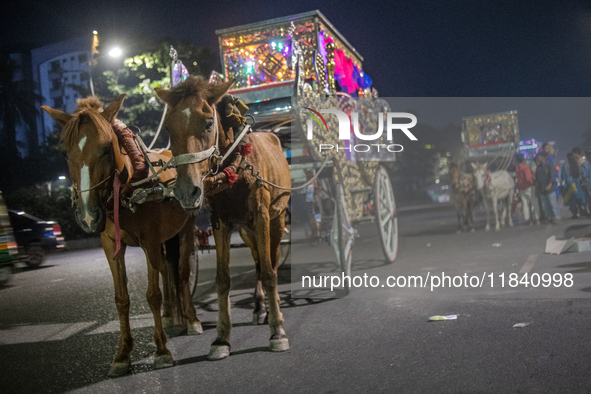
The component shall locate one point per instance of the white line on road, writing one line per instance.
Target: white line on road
(529, 264)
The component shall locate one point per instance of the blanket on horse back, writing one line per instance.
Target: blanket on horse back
(139, 186)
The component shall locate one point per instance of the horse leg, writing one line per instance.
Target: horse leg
(122, 362)
(504, 214)
(470, 214)
(485, 203)
(268, 235)
(509, 211)
(458, 211)
(162, 357)
(495, 210)
(167, 320)
(220, 348)
(260, 310)
(187, 246)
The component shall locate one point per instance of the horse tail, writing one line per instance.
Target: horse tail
(173, 254)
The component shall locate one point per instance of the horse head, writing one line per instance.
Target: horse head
(480, 170)
(195, 126)
(92, 151)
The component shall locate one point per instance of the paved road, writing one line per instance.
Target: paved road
(59, 330)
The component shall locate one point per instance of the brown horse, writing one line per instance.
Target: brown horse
(196, 124)
(95, 158)
(463, 189)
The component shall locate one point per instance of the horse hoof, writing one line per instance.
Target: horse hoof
(259, 318)
(218, 352)
(497, 229)
(164, 361)
(167, 322)
(119, 369)
(459, 232)
(473, 231)
(279, 343)
(510, 224)
(487, 228)
(194, 328)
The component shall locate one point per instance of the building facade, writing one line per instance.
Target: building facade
(62, 73)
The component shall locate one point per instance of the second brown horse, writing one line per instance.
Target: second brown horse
(196, 125)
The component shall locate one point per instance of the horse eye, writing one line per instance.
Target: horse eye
(209, 124)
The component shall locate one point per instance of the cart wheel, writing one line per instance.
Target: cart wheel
(342, 234)
(386, 217)
(285, 246)
(194, 273)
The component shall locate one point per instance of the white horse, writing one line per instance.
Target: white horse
(495, 186)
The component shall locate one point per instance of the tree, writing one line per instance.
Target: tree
(144, 69)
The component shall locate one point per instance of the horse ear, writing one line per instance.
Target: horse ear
(164, 95)
(216, 92)
(60, 117)
(111, 111)
(473, 165)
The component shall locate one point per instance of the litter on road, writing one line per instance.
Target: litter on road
(571, 245)
(520, 325)
(439, 317)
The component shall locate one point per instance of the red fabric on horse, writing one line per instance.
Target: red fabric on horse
(245, 149)
(127, 141)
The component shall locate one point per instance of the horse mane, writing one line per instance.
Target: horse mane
(191, 87)
(88, 109)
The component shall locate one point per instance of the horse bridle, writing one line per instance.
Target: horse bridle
(74, 188)
(211, 153)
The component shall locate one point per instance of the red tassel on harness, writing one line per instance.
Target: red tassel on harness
(116, 187)
(245, 149)
(231, 176)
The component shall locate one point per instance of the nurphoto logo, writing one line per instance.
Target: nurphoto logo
(345, 129)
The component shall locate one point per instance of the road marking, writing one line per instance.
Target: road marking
(529, 264)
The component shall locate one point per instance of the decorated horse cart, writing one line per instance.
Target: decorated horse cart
(282, 69)
(288, 69)
(491, 142)
(491, 138)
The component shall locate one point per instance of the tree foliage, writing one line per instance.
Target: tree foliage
(146, 67)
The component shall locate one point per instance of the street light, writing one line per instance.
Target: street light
(114, 52)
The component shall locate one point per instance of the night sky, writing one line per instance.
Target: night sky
(411, 48)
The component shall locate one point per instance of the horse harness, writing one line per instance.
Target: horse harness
(218, 178)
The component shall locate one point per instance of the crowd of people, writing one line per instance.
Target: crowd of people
(540, 183)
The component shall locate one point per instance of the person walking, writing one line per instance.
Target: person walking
(572, 191)
(585, 169)
(525, 183)
(545, 187)
(548, 147)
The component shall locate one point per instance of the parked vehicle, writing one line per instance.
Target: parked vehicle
(36, 237)
(8, 246)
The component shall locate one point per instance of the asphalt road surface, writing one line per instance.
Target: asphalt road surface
(59, 327)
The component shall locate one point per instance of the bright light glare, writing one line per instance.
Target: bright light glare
(61, 178)
(115, 52)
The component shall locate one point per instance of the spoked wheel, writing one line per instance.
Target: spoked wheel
(285, 246)
(386, 218)
(194, 273)
(342, 235)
